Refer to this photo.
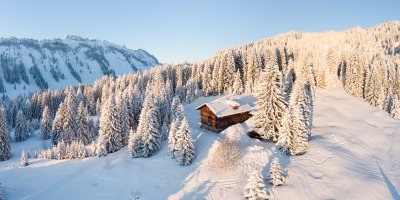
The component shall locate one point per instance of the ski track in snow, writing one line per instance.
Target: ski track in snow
(353, 154)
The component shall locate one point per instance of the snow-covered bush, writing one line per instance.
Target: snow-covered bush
(1, 193)
(275, 175)
(74, 150)
(226, 155)
(46, 154)
(255, 188)
(24, 159)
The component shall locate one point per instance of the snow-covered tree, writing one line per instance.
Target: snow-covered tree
(270, 105)
(5, 148)
(355, 75)
(151, 137)
(255, 188)
(84, 132)
(165, 127)
(46, 124)
(177, 115)
(395, 109)
(58, 123)
(21, 128)
(294, 130)
(24, 159)
(237, 84)
(110, 135)
(275, 174)
(135, 145)
(124, 118)
(206, 78)
(69, 128)
(185, 151)
(60, 150)
(148, 132)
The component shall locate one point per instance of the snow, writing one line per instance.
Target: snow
(353, 154)
(46, 54)
(223, 107)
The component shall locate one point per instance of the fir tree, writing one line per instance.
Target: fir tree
(58, 123)
(69, 128)
(270, 104)
(275, 175)
(165, 127)
(294, 130)
(24, 159)
(172, 140)
(206, 78)
(21, 128)
(5, 148)
(237, 84)
(185, 152)
(110, 138)
(395, 108)
(177, 115)
(123, 118)
(46, 124)
(151, 137)
(148, 132)
(84, 132)
(135, 145)
(255, 188)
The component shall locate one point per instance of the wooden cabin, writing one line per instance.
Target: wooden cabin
(220, 114)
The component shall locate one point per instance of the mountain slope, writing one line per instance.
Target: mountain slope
(350, 157)
(27, 65)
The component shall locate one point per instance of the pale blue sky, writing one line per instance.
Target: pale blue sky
(176, 31)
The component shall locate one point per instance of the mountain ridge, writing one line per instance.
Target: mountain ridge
(28, 65)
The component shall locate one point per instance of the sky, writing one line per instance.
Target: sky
(177, 30)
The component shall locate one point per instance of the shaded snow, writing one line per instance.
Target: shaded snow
(353, 154)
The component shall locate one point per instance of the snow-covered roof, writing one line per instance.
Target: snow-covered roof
(224, 107)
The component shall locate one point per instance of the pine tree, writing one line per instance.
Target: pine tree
(185, 151)
(165, 127)
(123, 118)
(46, 123)
(135, 145)
(294, 130)
(355, 75)
(373, 87)
(395, 108)
(172, 140)
(58, 123)
(21, 128)
(275, 175)
(110, 138)
(151, 137)
(237, 84)
(206, 78)
(61, 150)
(270, 104)
(69, 128)
(177, 115)
(255, 188)
(24, 159)
(148, 132)
(84, 132)
(5, 148)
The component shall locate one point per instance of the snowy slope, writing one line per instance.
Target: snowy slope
(64, 62)
(353, 155)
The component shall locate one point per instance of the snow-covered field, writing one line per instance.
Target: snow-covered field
(353, 154)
